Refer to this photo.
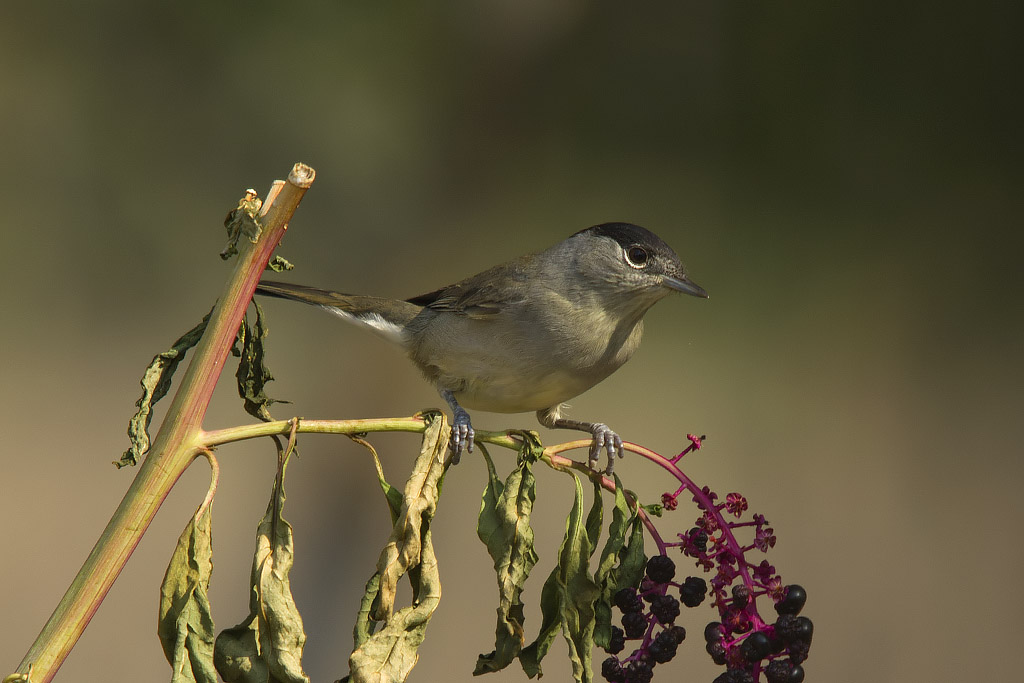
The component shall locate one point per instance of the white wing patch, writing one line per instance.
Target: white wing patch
(376, 323)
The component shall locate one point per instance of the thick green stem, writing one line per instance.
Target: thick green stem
(176, 444)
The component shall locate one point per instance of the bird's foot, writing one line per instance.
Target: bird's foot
(607, 440)
(462, 435)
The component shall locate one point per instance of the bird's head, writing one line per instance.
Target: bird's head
(621, 261)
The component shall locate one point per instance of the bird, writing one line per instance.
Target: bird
(529, 334)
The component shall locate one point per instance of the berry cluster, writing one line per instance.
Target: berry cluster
(742, 641)
(746, 644)
(744, 648)
(640, 620)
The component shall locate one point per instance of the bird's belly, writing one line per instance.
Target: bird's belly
(519, 393)
(501, 367)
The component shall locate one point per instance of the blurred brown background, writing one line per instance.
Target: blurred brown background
(844, 179)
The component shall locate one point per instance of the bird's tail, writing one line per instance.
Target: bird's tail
(387, 317)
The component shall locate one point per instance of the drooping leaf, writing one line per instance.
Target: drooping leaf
(185, 624)
(595, 518)
(632, 559)
(386, 641)
(604, 575)
(504, 527)
(393, 497)
(391, 494)
(252, 373)
(365, 625)
(581, 592)
(567, 600)
(279, 264)
(267, 646)
(389, 654)
(551, 599)
(155, 383)
(243, 221)
(402, 550)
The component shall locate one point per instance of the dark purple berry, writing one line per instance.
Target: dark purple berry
(794, 601)
(735, 676)
(756, 647)
(616, 642)
(648, 589)
(693, 590)
(661, 569)
(804, 629)
(786, 628)
(716, 648)
(798, 651)
(660, 654)
(740, 596)
(634, 624)
(713, 632)
(663, 649)
(612, 671)
(678, 633)
(639, 672)
(643, 656)
(778, 671)
(665, 609)
(628, 601)
(796, 675)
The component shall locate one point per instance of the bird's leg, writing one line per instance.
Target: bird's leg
(604, 438)
(462, 428)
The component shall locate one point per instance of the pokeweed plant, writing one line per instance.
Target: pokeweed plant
(610, 596)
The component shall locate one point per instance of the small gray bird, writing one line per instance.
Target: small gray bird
(529, 334)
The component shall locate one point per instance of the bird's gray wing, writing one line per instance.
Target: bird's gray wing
(479, 296)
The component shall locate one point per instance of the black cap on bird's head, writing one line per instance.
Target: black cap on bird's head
(650, 260)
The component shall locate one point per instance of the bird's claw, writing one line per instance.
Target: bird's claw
(607, 440)
(462, 435)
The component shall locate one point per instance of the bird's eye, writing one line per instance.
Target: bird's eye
(637, 256)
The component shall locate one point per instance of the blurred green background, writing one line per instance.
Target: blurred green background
(844, 179)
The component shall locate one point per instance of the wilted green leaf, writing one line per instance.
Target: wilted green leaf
(631, 557)
(595, 518)
(402, 550)
(389, 652)
(605, 575)
(252, 373)
(567, 600)
(241, 221)
(185, 625)
(391, 494)
(279, 264)
(365, 625)
(504, 527)
(155, 383)
(581, 592)
(654, 509)
(393, 497)
(267, 646)
(551, 605)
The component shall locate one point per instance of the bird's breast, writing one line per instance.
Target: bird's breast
(525, 362)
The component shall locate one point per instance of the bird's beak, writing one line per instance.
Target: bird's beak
(685, 285)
